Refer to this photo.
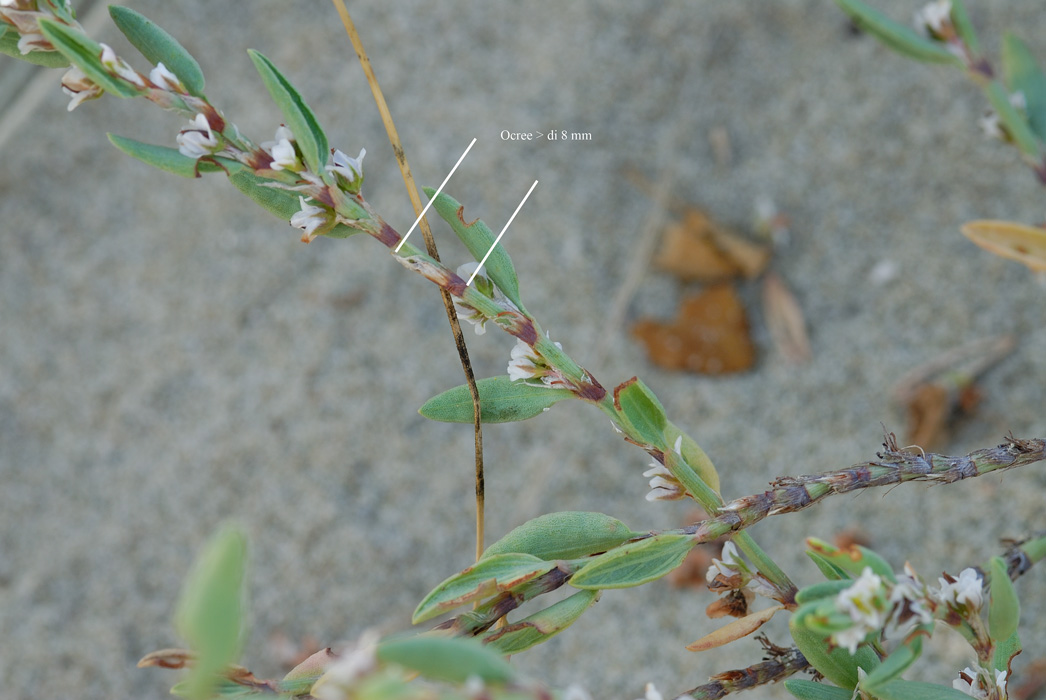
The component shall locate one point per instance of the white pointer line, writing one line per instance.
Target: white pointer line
(423, 211)
(496, 240)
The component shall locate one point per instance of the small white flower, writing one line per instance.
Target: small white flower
(468, 313)
(863, 600)
(164, 79)
(284, 157)
(348, 170)
(118, 67)
(850, 637)
(932, 18)
(652, 693)
(967, 590)
(991, 123)
(979, 683)
(78, 86)
(526, 364)
(198, 140)
(663, 486)
(311, 219)
(730, 565)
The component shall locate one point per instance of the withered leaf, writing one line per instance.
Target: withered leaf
(1010, 239)
(709, 336)
(735, 630)
(701, 250)
(784, 318)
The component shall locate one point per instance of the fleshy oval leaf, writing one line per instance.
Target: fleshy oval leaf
(501, 400)
(1023, 75)
(1004, 610)
(917, 690)
(643, 411)
(566, 535)
(86, 54)
(899, 37)
(812, 690)
(158, 47)
(541, 626)
(452, 659)
(163, 157)
(852, 560)
(484, 578)
(478, 238)
(1012, 240)
(635, 563)
(9, 46)
(296, 113)
(210, 611)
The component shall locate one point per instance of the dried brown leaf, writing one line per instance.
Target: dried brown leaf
(928, 413)
(709, 336)
(735, 630)
(1010, 239)
(699, 249)
(784, 318)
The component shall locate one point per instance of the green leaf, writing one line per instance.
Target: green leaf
(964, 28)
(899, 37)
(452, 659)
(642, 411)
(916, 690)
(501, 400)
(1004, 610)
(541, 626)
(837, 665)
(483, 579)
(210, 612)
(810, 690)
(86, 54)
(162, 157)
(852, 560)
(9, 45)
(1023, 75)
(893, 665)
(296, 113)
(694, 456)
(824, 589)
(830, 570)
(1013, 121)
(159, 47)
(567, 535)
(478, 238)
(1005, 650)
(635, 563)
(276, 200)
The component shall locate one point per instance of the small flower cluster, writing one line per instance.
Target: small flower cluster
(731, 575)
(980, 684)
(874, 605)
(484, 285)
(529, 366)
(663, 485)
(934, 20)
(23, 16)
(991, 124)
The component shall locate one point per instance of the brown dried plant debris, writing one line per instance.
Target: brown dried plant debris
(708, 336)
(698, 249)
(784, 319)
(934, 393)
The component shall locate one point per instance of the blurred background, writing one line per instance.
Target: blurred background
(172, 356)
